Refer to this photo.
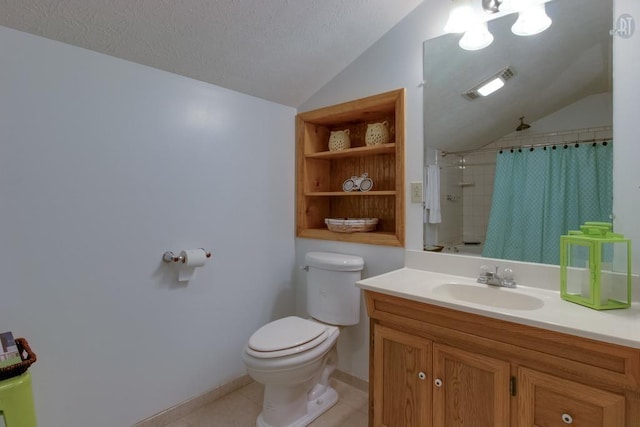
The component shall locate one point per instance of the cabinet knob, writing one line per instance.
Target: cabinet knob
(567, 419)
(438, 382)
(422, 375)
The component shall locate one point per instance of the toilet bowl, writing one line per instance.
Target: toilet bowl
(295, 357)
(296, 379)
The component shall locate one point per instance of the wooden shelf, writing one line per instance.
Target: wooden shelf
(320, 173)
(354, 152)
(350, 194)
(374, 238)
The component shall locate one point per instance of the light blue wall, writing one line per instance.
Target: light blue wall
(395, 61)
(104, 166)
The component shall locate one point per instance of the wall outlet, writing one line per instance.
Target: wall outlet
(416, 192)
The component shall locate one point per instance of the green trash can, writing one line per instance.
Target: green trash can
(16, 401)
(16, 394)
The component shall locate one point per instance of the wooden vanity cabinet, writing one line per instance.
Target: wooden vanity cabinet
(401, 381)
(546, 400)
(469, 389)
(414, 378)
(433, 366)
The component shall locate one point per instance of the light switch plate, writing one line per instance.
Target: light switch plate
(416, 192)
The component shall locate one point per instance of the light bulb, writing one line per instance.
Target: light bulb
(491, 86)
(460, 18)
(531, 21)
(476, 37)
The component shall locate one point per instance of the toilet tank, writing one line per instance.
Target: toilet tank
(332, 295)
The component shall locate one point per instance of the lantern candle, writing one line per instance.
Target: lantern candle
(595, 267)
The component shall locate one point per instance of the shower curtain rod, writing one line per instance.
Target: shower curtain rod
(531, 146)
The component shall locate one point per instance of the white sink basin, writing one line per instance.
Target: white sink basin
(491, 296)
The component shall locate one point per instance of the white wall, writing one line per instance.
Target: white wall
(105, 165)
(589, 112)
(393, 62)
(626, 104)
(396, 61)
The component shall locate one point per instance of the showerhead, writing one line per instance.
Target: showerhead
(522, 125)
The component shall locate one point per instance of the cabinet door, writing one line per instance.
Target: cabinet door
(470, 390)
(401, 379)
(548, 401)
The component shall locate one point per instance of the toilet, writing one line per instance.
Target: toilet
(294, 357)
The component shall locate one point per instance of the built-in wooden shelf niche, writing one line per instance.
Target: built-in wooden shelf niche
(321, 173)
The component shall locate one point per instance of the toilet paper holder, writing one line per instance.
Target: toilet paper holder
(171, 257)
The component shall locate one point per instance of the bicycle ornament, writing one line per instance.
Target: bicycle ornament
(362, 183)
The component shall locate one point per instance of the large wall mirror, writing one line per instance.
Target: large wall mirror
(557, 97)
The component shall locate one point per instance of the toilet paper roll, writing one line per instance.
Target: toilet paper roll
(191, 259)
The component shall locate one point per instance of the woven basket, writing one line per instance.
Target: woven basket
(19, 368)
(351, 225)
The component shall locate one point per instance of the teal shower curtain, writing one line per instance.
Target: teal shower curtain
(542, 193)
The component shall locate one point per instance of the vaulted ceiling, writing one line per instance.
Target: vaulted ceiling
(280, 50)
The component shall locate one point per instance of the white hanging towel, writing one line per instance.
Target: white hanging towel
(432, 200)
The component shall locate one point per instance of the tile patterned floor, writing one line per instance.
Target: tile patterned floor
(241, 408)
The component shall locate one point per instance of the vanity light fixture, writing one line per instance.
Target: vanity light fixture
(531, 21)
(489, 85)
(461, 16)
(471, 16)
(476, 38)
(467, 16)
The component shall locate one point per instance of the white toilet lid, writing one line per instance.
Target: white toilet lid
(288, 335)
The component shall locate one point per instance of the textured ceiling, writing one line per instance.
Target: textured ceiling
(279, 50)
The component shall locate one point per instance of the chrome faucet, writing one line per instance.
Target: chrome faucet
(488, 278)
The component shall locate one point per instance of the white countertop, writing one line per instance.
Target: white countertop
(620, 326)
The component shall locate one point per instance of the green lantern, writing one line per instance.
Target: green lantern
(595, 267)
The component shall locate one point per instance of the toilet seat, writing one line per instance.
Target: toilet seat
(285, 337)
